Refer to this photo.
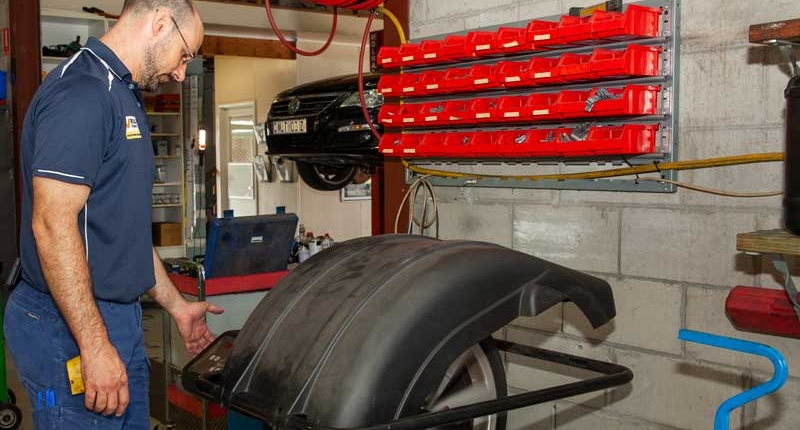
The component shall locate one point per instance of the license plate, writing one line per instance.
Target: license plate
(289, 126)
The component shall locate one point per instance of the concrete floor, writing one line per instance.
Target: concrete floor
(22, 398)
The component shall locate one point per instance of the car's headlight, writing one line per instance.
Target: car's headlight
(372, 97)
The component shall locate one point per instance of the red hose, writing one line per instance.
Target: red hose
(294, 48)
(361, 98)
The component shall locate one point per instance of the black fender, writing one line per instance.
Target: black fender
(359, 334)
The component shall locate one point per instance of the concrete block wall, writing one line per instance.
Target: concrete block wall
(671, 259)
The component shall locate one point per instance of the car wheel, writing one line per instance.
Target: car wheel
(476, 375)
(326, 178)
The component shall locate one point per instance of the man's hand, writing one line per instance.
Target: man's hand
(191, 321)
(105, 379)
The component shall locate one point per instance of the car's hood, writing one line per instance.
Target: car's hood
(336, 84)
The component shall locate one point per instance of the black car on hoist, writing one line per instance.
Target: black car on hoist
(321, 126)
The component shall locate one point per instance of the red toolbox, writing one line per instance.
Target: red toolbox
(575, 67)
(513, 74)
(761, 310)
(455, 48)
(635, 60)
(544, 34)
(481, 43)
(575, 30)
(512, 39)
(389, 85)
(389, 115)
(631, 100)
(636, 22)
(543, 71)
(388, 57)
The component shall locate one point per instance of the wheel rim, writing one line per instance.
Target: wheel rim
(8, 418)
(468, 380)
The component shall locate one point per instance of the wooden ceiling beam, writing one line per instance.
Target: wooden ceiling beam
(245, 47)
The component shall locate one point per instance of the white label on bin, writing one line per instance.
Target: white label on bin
(512, 114)
(410, 151)
(481, 81)
(408, 119)
(513, 79)
(431, 118)
(542, 37)
(541, 111)
(408, 89)
(257, 239)
(542, 75)
(483, 115)
(388, 120)
(482, 47)
(510, 44)
(455, 118)
(432, 87)
(387, 90)
(388, 151)
(386, 61)
(429, 56)
(408, 58)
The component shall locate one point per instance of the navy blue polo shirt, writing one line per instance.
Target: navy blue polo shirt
(87, 125)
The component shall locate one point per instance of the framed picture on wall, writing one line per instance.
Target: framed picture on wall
(357, 191)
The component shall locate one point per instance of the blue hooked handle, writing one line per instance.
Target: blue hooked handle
(722, 418)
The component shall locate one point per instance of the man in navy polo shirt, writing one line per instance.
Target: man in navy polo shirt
(86, 250)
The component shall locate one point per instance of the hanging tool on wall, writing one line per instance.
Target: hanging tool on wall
(101, 12)
(607, 6)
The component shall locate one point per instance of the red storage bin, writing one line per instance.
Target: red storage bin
(575, 67)
(432, 113)
(542, 106)
(456, 112)
(629, 139)
(410, 84)
(543, 71)
(543, 34)
(511, 39)
(410, 115)
(388, 57)
(513, 108)
(483, 110)
(634, 61)
(481, 43)
(631, 100)
(431, 51)
(432, 82)
(455, 48)
(389, 85)
(513, 74)
(483, 77)
(526, 143)
(456, 145)
(390, 115)
(575, 30)
(391, 144)
(636, 22)
(457, 80)
(481, 144)
(431, 145)
(409, 54)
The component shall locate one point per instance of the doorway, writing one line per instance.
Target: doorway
(236, 150)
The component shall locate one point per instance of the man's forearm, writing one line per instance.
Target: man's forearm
(164, 292)
(66, 270)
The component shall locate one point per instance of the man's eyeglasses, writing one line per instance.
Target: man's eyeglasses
(188, 56)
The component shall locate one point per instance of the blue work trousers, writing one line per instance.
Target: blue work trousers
(40, 344)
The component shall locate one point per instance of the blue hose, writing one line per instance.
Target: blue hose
(722, 418)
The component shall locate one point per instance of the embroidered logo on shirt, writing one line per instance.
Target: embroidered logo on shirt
(132, 128)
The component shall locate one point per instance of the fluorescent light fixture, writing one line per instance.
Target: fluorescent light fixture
(242, 122)
(201, 139)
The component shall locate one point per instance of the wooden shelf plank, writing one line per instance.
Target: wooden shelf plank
(781, 30)
(769, 242)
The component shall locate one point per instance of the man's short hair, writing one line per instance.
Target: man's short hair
(182, 10)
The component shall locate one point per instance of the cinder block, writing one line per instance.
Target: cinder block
(549, 320)
(681, 394)
(441, 9)
(577, 417)
(487, 223)
(761, 177)
(727, 22)
(654, 305)
(421, 30)
(537, 417)
(417, 12)
(526, 373)
(582, 238)
(492, 17)
(779, 410)
(729, 88)
(705, 311)
(529, 10)
(632, 198)
(698, 247)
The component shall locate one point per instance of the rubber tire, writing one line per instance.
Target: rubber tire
(489, 348)
(12, 397)
(16, 415)
(308, 172)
